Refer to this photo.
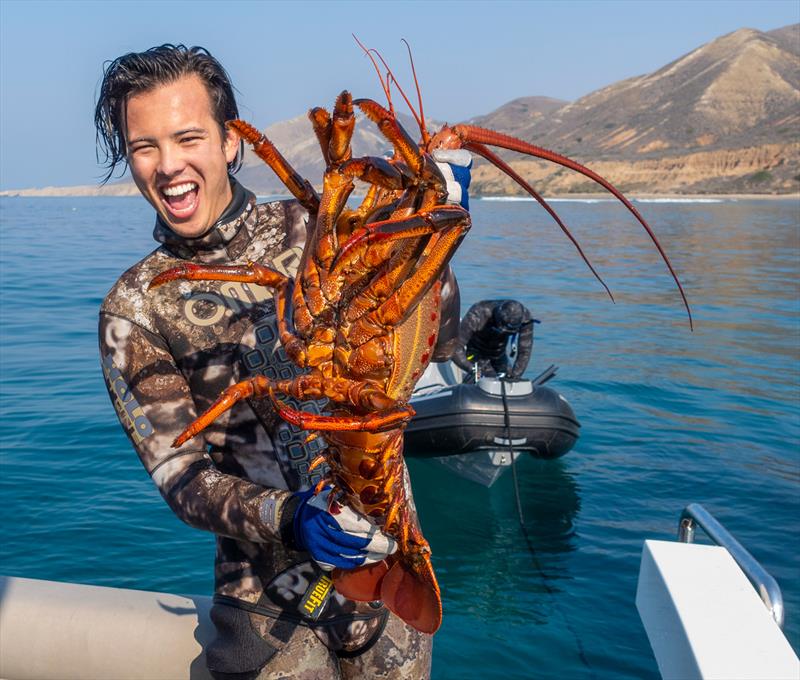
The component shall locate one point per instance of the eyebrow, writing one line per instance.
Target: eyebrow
(179, 133)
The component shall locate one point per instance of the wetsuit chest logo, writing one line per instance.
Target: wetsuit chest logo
(207, 308)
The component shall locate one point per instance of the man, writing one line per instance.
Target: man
(484, 334)
(168, 353)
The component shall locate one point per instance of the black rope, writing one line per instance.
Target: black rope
(534, 557)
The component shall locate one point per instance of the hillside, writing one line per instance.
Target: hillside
(723, 118)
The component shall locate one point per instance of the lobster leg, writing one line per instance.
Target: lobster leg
(254, 387)
(338, 185)
(251, 273)
(377, 421)
(342, 126)
(321, 122)
(428, 176)
(387, 123)
(313, 385)
(334, 134)
(423, 223)
(406, 297)
(350, 220)
(300, 188)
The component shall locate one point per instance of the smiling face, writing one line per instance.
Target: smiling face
(178, 156)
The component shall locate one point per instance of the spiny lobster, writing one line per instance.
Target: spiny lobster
(365, 318)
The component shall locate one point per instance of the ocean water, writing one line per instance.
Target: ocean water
(668, 417)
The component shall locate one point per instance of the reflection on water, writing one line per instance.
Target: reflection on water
(480, 535)
(668, 417)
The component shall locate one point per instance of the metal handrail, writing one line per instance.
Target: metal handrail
(766, 586)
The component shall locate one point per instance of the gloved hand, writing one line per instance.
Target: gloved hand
(345, 540)
(456, 166)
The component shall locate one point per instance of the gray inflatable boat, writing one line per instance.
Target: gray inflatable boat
(467, 422)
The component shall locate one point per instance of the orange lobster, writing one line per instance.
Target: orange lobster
(365, 317)
(365, 324)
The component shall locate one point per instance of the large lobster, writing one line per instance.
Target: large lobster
(364, 321)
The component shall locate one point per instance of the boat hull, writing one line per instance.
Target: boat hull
(464, 418)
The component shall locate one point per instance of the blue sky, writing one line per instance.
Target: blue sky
(286, 57)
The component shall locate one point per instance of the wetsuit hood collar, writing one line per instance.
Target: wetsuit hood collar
(223, 231)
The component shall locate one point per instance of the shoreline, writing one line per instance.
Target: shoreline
(124, 192)
(643, 197)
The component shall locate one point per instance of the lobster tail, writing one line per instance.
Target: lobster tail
(362, 584)
(412, 594)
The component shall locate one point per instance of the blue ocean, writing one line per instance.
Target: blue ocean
(668, 416)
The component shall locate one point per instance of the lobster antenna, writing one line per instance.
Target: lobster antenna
(389, 78)
(423, 127)
(481, 135)
(400, 90)
(384, 85)
(493, 158)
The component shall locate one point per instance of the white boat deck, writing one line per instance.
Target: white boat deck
(704, 619)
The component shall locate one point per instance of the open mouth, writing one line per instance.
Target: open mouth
(180, 199)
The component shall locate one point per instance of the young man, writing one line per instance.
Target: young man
(484, 334)
(168, 353)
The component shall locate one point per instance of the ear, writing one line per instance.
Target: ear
(230, 144)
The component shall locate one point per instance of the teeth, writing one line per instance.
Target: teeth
(179, 189)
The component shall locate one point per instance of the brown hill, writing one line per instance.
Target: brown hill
(723, 118)
(520, 114)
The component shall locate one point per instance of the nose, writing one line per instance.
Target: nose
(171, 161)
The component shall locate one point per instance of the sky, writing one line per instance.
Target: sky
(285, 57)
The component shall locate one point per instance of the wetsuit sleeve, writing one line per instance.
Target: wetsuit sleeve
(154, 404)
(524, 348)
(449, 313)
(473, 321)
(460, 359)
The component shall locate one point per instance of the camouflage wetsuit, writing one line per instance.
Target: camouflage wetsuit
(481, 342)
(166, 355)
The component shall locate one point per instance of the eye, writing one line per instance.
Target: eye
(191, 139)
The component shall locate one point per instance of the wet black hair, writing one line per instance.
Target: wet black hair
(138, 72)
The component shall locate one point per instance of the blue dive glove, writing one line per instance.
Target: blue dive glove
(456, 166)
(345, 540)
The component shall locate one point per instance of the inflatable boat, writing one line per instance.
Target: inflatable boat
(469, 424)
